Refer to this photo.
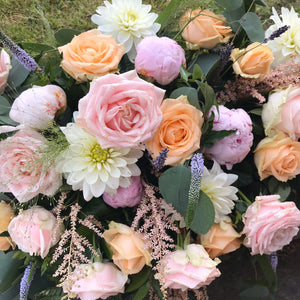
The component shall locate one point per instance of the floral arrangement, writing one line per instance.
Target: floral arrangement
(138, 156)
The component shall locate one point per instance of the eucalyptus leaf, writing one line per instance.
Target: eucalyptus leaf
(283, 189)
(191, 94)
(253, 27)
(65, 35)
(4, 106)
(233, 17)
(17, 74)
(255, 292)
(207, 63)
(229, 5)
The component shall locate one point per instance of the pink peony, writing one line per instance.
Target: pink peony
(123, 197)
(98, 280)
(159, 58)
(270, 224)
(234, 148)
(5, 66)
(121, 110)
(189, 269)
(37, 107)
(34, 231)
(23, 171)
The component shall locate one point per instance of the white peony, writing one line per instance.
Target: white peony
(127, 21)
(92, 169)
(217, 185)
(288, 43)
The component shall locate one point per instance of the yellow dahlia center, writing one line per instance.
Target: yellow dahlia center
(98, 154)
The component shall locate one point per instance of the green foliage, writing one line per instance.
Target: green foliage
(4, 112)
(283, 189)
(167, 13)
(138, 280)
(17, 74)
(142, 291)
(253, 27)
(209, 139)
(65, 35)
(229, 5)
(191, 94)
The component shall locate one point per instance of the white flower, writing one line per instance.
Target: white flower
(287, 43)
(92, 169)
(217, 185)
(127, 21)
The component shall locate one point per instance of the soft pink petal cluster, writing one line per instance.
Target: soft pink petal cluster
(98, 280)
(121, 110)
(130, 196)
(5, 66)
(37, 107)
(159, 58)
(34, 231)
(189, 269)
(270, 224)
(23, 172)
(234, 148)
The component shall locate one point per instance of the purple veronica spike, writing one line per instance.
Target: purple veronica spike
(26, 282)
(21, 55)
(159, 162)
(277, 33)
(274, 261)
(197, 165)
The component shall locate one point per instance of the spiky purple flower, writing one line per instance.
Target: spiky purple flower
(26, 282)
(21, 55)
(277, 33)
(274, 260)
(197, 165)
(159, 162)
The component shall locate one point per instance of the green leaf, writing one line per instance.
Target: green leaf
(52, 293)
(191, 94)
(184, 73)
(255, 111)
(283, 189)
(209, 96)
(164, 16)
(209, 139)
(255, 292)
(229, 5)
(207, 63)
(174, 185)
(142, 291)
(138, 280)
(17, 74)
(4, 106)
(65, 35)
(204, 215)
(197, 73)
(6, 120)
(4, 233)
(233, 17)
(36, 47)
(266, 267)
(261, 2)
(253, 27)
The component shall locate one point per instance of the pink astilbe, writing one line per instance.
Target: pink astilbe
(281, 77)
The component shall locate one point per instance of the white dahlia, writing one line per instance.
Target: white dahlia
(128, 21)
(217, 185)
(288, 43)
(92, 169)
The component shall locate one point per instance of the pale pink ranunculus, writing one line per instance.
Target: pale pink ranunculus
(121, 110)
(234, 148)
(191, 268)
(126, 197)
(5, 66)
(34, 231)
(98, 281)
(159, 58)
(24, 171)
(38, 106)
(270, 224)
(282, 112)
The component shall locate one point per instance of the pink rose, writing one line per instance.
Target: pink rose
(234, 148)
(98, 280)
(130, 196)
(5, 66)
(24, 171)
(34, 231)
(121, 110)
(159, 58)
(37, 107)
(270, 224)
(282, 112)
(189, 269)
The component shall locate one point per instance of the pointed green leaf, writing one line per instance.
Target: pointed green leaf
(184, 73)
(209, 139)
(142, 291)
(65, 35)
(209, 96)
(137, 280)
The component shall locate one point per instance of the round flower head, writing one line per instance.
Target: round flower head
(159, 58)
(127, 21)
(93, 169)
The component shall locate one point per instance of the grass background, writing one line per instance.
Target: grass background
(36, 21)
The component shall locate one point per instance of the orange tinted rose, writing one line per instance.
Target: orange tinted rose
(253, 61)
(278, 156)
(206, 30)
(6, 215)
(220, 239)
(179, 131)
(91, 54)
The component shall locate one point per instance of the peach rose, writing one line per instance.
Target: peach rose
(206, 30)
(278, 156)
(6, 215)
(220, 239)
(270, 224)
(129, 249)
(179, 131)
(91, 54)
(5, 66)
(253, 61)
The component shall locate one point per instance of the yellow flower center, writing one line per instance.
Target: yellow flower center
(98, 154)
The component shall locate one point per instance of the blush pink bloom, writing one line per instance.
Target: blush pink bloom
(98, 280)
(130, 196)
(34, 231)
(189, 269)
(234, 148)
(24, 172)
(270, 224)
(37, 107)
(5, 66)
(121, 110)
(159, 58)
